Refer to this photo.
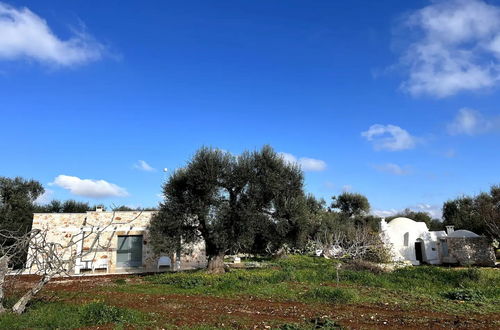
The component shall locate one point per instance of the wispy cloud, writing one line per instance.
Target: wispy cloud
(435, 211)
(389, 137)
(346, 188)
(472, 122)
(393, 169)
(307, 164)
(25, 35)
(89, 187)
(456, 48)
(45, 198)
(143, 166)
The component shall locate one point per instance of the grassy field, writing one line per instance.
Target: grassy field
(295, 292)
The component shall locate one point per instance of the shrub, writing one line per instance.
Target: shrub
(331, 295)
(317, 323)
(120, 281)
(360, 265)
(379, 254)
(464, 295)
(98, 313)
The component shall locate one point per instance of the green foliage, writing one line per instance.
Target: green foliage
(331, 295)
(464, 295)
(120, 281)
(251, 202)
(57, 315)
(17, 203)
(480, 214)
(351, 204)
(317, 323)
(98, 313)
(69, 206)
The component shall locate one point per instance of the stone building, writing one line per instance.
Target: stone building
(109, 242)
(413, 242)
(466, 248)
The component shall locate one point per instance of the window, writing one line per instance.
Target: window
(406, 238)
(129, 251)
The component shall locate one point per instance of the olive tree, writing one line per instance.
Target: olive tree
(231, 203)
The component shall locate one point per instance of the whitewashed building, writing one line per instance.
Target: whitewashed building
(411, 241)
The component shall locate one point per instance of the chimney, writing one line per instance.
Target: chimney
(450, 229)
(99, 209)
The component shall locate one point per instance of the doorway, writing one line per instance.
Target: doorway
(129, 251)
(418, 252)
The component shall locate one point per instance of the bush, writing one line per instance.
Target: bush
(360, 265)
(378, 254)
(331, 295)
(120, 281)
(317, 323)
(464, 295)
(98, 313)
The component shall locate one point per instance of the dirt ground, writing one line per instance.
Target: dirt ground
(250, 312)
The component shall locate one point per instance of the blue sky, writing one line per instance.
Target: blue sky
(397, 100)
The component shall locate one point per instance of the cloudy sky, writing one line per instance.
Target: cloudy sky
(398, 101)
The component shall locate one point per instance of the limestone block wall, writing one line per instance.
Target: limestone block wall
(100, 231)
(469, 251)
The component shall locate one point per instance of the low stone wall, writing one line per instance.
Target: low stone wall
(469, 251)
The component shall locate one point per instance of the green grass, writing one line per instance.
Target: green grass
(295, 278)
(58, 315)
(408, 287)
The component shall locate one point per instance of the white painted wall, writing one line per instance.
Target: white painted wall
(402, 233)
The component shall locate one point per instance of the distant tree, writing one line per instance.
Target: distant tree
(436, 224)
(231, 202)
(418, 216)
(480, 214)
(351, 204)
(69, 206)
(17, 203)
(128, 208)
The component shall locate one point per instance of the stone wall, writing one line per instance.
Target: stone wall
(467, 251)
(62, 228)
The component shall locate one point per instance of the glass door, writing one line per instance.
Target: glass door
(129, 251)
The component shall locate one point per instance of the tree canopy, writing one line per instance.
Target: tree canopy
(351, 204)
(17, 203)
(480, 213)
(69, 206)
(233, 203)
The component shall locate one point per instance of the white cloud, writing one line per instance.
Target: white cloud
(435, 211)
(23, 34)
(45, 198)
(389, 137)
(457, 48)
(143, 166)
(89, 187)
(472, 122)
(393, 169)
(346, 188)
(307, 164)
(385, 213)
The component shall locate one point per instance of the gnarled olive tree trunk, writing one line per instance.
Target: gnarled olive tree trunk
(20, 306)
(216, 264)
(4, 270)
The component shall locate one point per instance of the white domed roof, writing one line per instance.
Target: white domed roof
(401, 221)
(463, 233)
(406, 223)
